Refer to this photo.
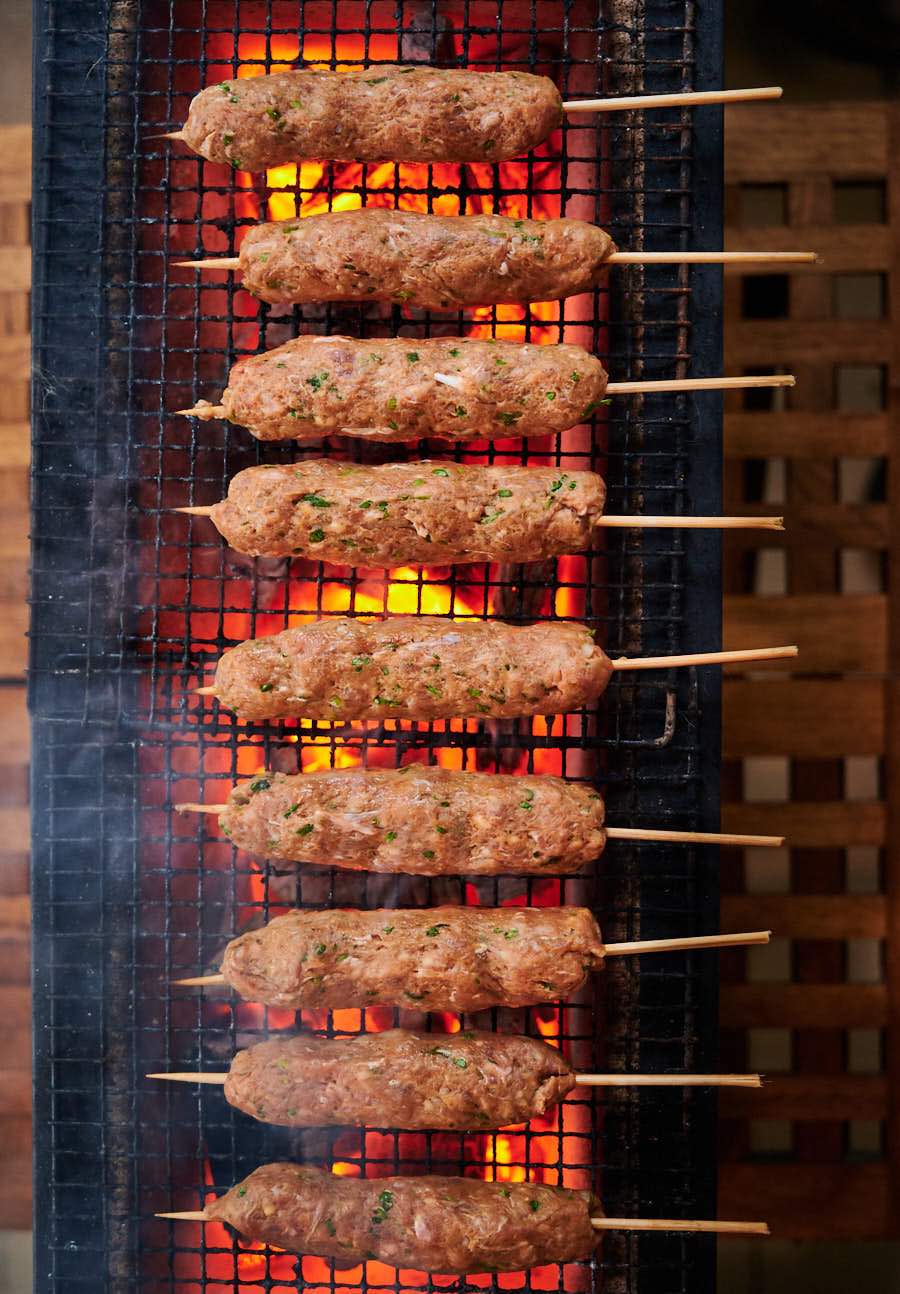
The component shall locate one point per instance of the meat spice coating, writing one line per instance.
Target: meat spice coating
(433, 959)
(411, 258)
(434, 1224)
(387, 389)
(420, 820)
(399, 1079)
(377, 114)
(413, 667)
(400, 514)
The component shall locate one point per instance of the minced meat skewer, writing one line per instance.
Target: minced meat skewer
(425, 513)
(433, 959)
(390, 113)
(420, 819)
(444, 1225)
(460, 959)
(377, 114)
(416, 259)
(400, 514)
(400, 1079)
(428, 667)
(413, 667)
(400, 388)
(437, 1224)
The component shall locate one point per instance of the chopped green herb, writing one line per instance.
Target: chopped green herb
(534, 1205)
(459, 411)
(273, 113)
(241, 1192)
(316, 536)
(504, 494)
(440, 471)
(433, 688)
(317, 380)
(266, 687)
(226, 139)
(319, 949)
(442, 831)
(387, 930)
(491, 516)
(551, 395)
(528, 802)
(359, 661)
(455, 352)
(305, 829)
(413, 997)
(508, 419)
(505, 1192)
(392, 403)
(412, 356)
(433, 931)
(316, 500)
(261, 784)
(376, 80)
(576, 376)
(292, 810)
(429, 853)
(295, 103)
(391, 835)
(328, 1224)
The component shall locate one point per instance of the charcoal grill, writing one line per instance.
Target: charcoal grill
(130, 606)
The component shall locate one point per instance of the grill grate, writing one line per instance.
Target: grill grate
(125, 894)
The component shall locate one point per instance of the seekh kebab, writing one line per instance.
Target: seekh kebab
(428, 667)
(424, 513)
(429, 821)
(388, 112)
(433, 1224)
(461, 959)
(437, 262)
(405, 388)
(401, 1078)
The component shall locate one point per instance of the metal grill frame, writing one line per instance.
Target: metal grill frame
(105, 744)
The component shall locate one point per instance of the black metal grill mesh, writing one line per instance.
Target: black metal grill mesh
(131, 603)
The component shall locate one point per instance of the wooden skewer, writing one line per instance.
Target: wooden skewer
(688, 98)
(614, 833)
(205, 691)
(632, 523)
(690, 523)
(206, 411)
(583, 1080)
(713, 1225)
(695, 837)
(703, 658)
(640, 946)
(700, 384)
(616, 258)
(712, 258)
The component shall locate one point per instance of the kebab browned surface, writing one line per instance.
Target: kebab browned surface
(436, 1224)
(399, 1079)
(398, 514)
(413, 667)
(411, 258)
(377, 114)
(425, 820)
(400, 388)
(431, 959)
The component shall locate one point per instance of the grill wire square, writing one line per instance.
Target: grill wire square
(131, 604)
